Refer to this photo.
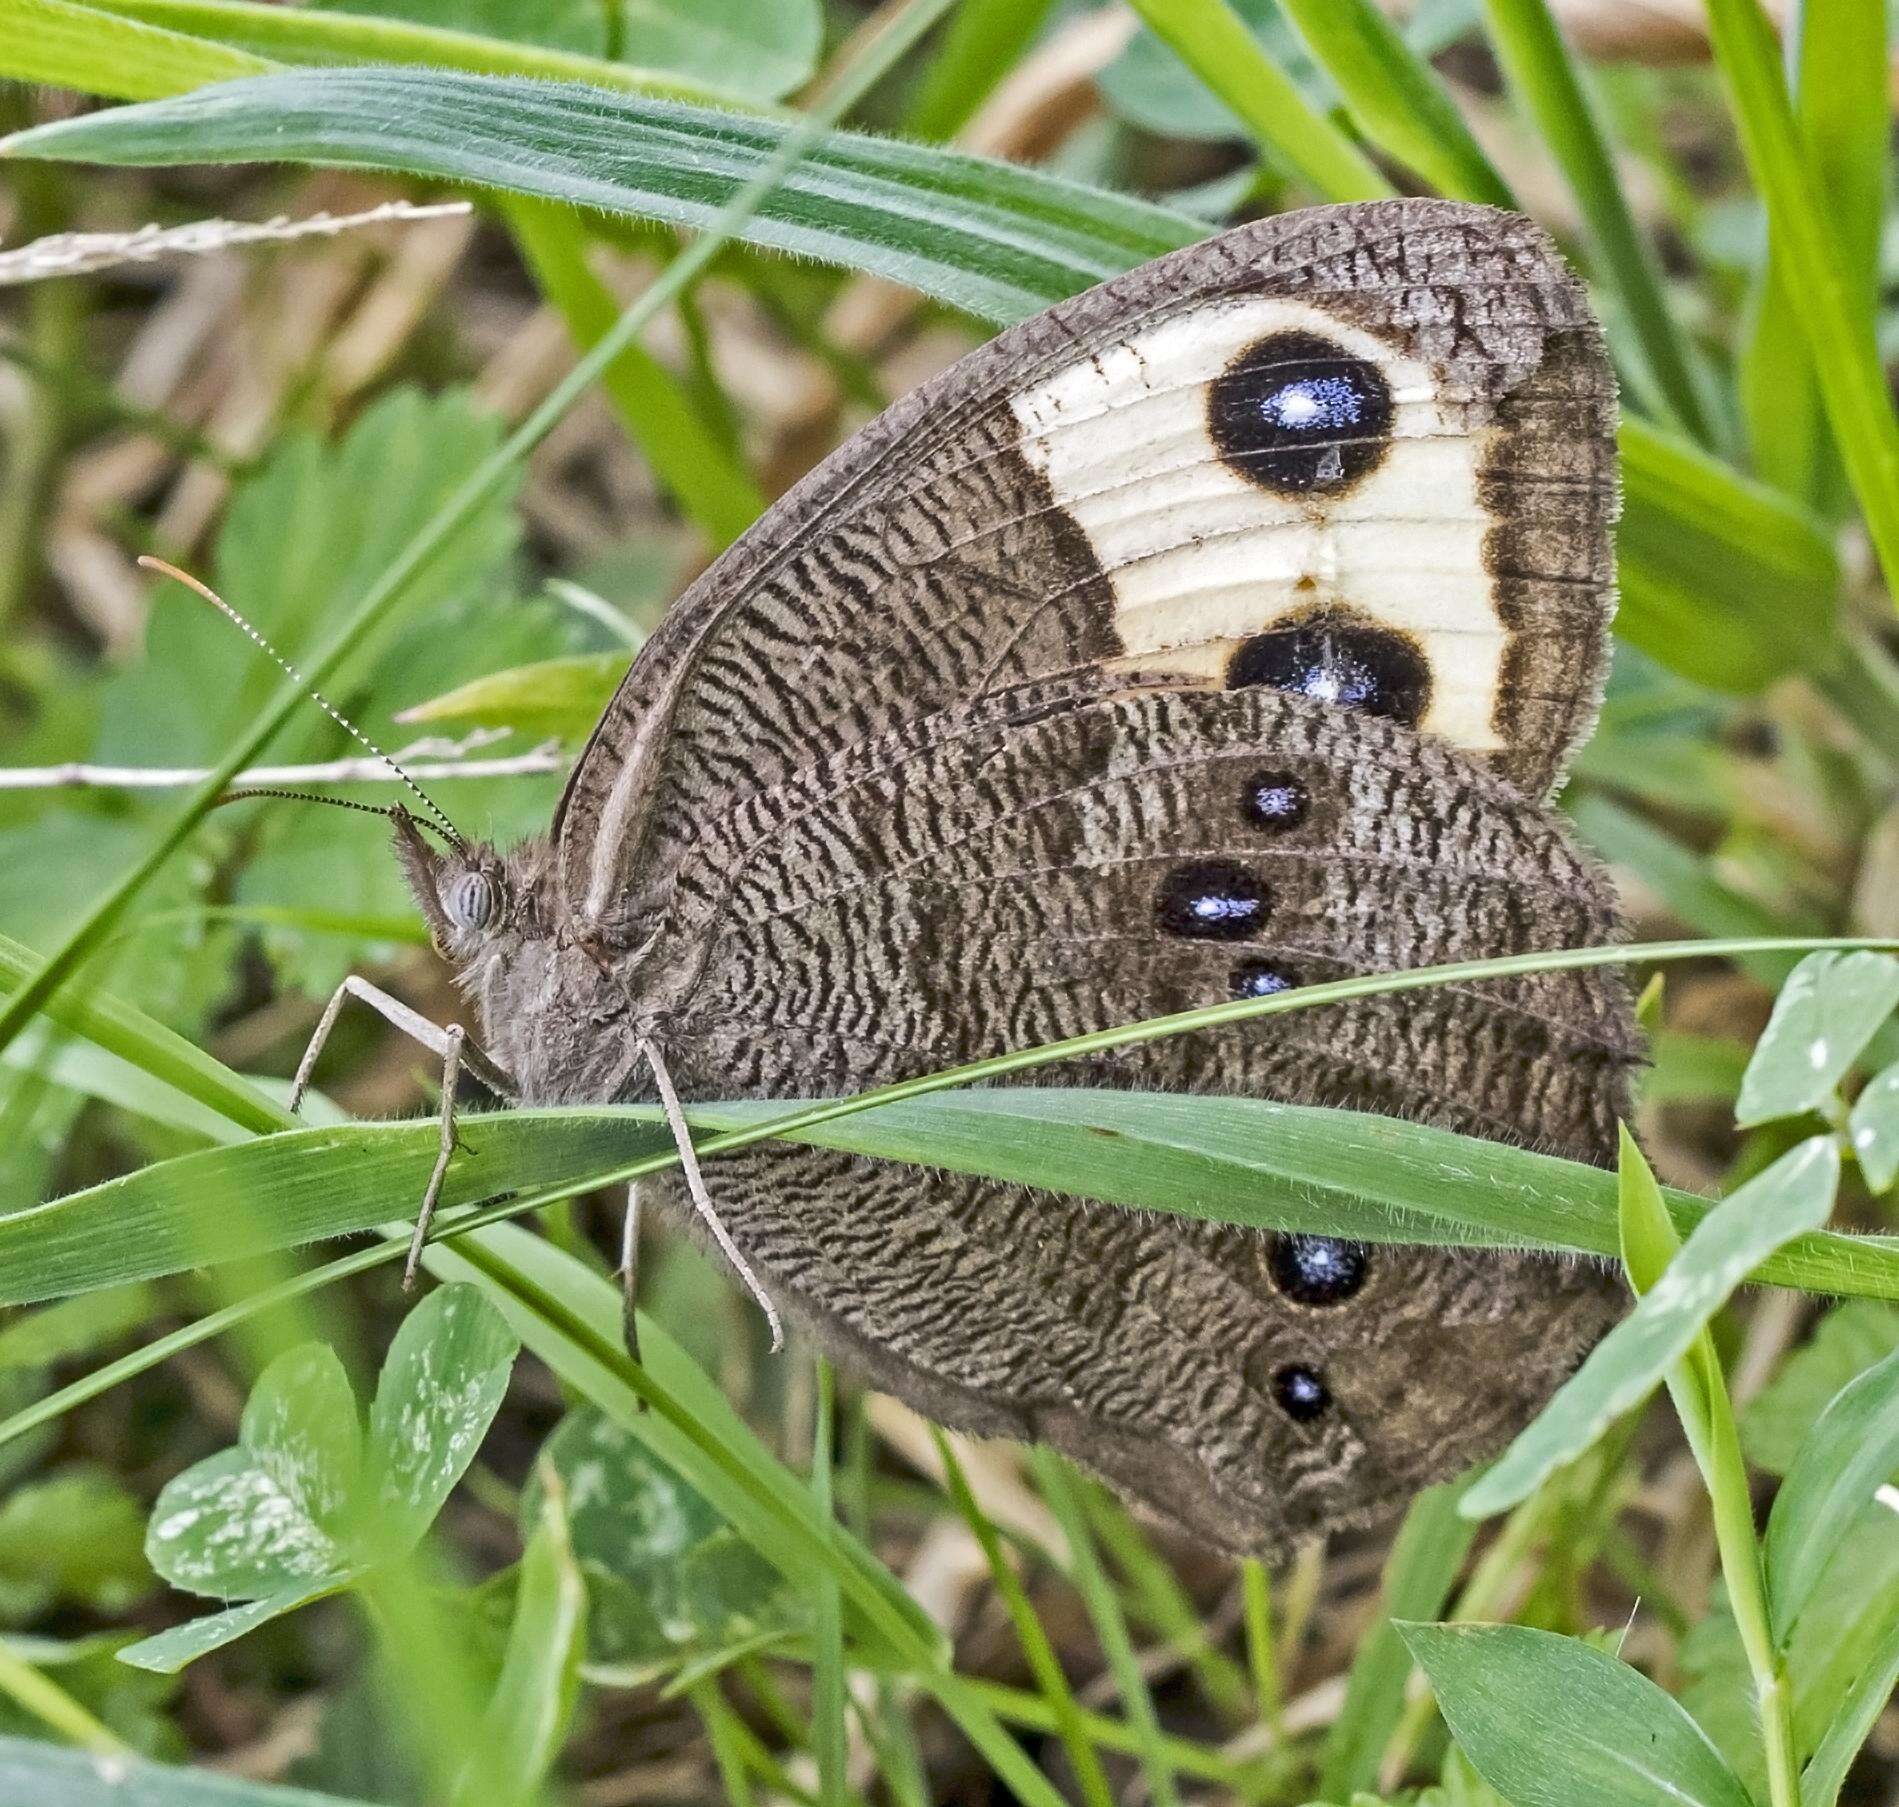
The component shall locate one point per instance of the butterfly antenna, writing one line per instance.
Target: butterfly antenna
(701, 1198)
(446, 827)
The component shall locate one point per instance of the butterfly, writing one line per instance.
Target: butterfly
(1223, 629)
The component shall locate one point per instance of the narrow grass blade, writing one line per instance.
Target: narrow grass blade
(68, 46)
(1423, 1566)
(312, 35)
(1062, 1491)
(1397, 100)
(712, 487)
(1834, 311)
(983, 41)
(1794, 1195)
(1852, 1723)
(1044, 1665)
(1548, 84)
(1212, 40)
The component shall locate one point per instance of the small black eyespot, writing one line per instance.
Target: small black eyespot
(1274, 800)
(1212, 900)
(1317, 1270)
(1334, 659)
(1259, 979)
(1301, 1393)
(1296, 412)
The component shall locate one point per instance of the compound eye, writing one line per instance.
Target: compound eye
(470, 900)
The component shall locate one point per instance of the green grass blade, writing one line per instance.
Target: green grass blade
(1834, 308)
(1549, 86)
(830, 1685)
(689, 459)
(1211, 39)
(80, 47)
(1044, 1665)
(983, 41)
(1723, 580)
(51, 1777)
(1793, 1197)
(1423, 1566)
(1061, 1489)
(1844, 116)
(301, 34)
(1397, 100)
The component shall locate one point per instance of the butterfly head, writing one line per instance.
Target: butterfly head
(464, 890)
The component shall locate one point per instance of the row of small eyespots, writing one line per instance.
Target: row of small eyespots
(1313, 1271)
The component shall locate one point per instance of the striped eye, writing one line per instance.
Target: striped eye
(470, 899)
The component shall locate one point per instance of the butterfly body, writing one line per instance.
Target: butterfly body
(1220, 631)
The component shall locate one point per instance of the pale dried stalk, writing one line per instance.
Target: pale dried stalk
(75, 775)
(75, 253)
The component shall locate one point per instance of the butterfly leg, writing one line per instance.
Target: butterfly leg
(456, 1052)
(630, 1270)
(701, 1198)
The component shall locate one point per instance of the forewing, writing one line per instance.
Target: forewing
(1361, 452)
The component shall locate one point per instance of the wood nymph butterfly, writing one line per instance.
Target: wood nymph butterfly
(1223, 629)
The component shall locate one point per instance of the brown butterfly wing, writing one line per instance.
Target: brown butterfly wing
(1377, 436)
(953, 753)
(975, 891)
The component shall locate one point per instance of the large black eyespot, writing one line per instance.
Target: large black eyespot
(1301, 1393)
(1317, 1270)
(1333, 658)
(1259, 979)
(1296, 412)
(1274, 800)
(1212, 900)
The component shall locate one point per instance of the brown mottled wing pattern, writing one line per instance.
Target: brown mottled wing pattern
(1221, 630)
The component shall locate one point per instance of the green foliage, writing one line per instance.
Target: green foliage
(661, 1536)
(1551, 1720)
(668, 1579)
(304, 1505)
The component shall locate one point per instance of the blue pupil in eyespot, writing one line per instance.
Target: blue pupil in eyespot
(1322, 403)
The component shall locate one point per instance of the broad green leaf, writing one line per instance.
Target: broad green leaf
(1792, 1196)
(49, 1776)
(1848, 1340)
(440, 1387)
(300, 1423)
(170, 1651)
(1551, 1721)
(666, 1571)
(997, 240)
(550, 696)
(230, 1528)
(534, 1699)
(1873, 1128)
(1850, 1453)
(1829, 1009)
(1420, 1571)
